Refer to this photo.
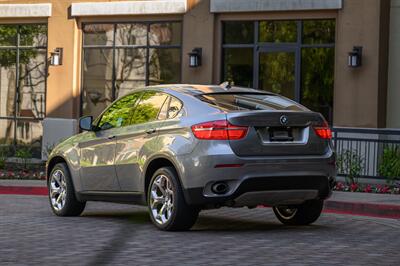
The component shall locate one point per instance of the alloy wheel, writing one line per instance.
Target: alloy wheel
(58, 190)
(286, 212)
(162, 199)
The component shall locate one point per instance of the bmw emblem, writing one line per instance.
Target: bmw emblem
(284, 120)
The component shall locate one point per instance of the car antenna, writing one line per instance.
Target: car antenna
(226, 85)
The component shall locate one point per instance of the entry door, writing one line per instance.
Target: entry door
(278, 71)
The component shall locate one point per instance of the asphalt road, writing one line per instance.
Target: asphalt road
(112, 234)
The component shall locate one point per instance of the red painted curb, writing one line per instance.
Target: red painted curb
(364, 209)
(19, 190)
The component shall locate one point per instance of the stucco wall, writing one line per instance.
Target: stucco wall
(357, 97)
(393, 96)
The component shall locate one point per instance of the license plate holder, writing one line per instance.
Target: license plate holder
(280, 134)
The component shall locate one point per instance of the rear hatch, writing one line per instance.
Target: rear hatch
(276, 125)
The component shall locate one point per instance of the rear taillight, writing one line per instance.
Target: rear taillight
(219, 130)
(324, 132)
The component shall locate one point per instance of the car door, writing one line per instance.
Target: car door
(97, 158)
(139, 139)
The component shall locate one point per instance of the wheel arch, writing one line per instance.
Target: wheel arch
(155, 164)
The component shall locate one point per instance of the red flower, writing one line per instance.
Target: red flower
(386, 189)
(368, 189)
(354, 187)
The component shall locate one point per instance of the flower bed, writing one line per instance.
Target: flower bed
(366, 188)
(35, 173)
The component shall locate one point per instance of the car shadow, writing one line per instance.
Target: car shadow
(207, 222)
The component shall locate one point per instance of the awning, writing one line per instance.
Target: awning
(129, 8)
(227, 6)
(25, 10)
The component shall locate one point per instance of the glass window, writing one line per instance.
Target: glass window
(8, 76)
(175, 107)
(163, 114)
(318, 31)
(23, 48)
(130, 70)
(131, 34)
(119, 113)
(29, 133)
(165, 33)
(32, 83)
(8, 35)
(139, 54)
(235, 102)
(7, 128)
(278, 31)
(317, 78)
(277, 73)
(98, 34)
(238, 66)
(165, 66)
(97, 80)
(33, 35)
(238, 32)
(148, 108)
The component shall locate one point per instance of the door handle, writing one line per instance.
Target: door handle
(151, 131)
(111, 137)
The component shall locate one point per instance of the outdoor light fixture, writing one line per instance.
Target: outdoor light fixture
(355, 57)
(195, 57)
(56, 57)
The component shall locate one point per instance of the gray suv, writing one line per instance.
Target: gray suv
(182, 148)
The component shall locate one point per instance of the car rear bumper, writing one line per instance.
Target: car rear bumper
(291, 178)
(272, 191)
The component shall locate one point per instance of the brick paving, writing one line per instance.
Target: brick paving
(112, 234)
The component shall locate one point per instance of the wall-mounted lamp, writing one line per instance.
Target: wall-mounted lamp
(195, 57)
(56, 57)
(355, 57)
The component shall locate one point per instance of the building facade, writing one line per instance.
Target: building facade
(296, 48)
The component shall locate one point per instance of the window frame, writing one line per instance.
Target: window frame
(115, 47)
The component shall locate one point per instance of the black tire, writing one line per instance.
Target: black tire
(306, 213)
(72, 206)
(183, 216)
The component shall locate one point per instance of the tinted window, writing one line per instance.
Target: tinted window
(148, 108)
(278, 31)
(174, 107)
(119, 114)
(236, 32)
(164, 110)
(238, 66)
(235, 102)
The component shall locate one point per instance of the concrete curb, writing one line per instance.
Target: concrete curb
(331, 206)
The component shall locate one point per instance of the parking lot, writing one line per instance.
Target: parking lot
(112, 234)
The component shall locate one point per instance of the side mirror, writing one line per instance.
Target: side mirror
(85, 123)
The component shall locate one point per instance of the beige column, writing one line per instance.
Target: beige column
(198, 31)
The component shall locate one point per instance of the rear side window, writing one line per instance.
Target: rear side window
(119, 113)
(148, 108)
(175, 107)
(246, 102)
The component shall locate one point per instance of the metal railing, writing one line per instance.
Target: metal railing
(363, 148)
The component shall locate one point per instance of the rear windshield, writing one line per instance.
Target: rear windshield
(237, 102)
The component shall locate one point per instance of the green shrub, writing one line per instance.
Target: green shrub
(351, 164)
(4, 150)
(389, 166)
(24, 153)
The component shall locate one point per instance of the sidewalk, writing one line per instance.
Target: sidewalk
(366, 204)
